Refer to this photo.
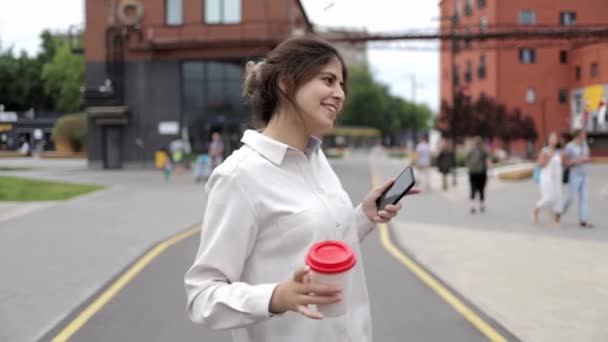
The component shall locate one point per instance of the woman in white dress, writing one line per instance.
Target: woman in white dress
(550, 183)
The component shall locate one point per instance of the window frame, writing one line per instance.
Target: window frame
(521, 17)
(222, 13)
(181, 14)
(532, 56)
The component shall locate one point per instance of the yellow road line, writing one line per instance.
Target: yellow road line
(470, 315)
(119, 284)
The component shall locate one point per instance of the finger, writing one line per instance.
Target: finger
(379, 190)
(314, 299)
(299, 274)
(379, 219)
(309, 313)
(393, 210)
(320, 289)
(414, 190)
(385, 214)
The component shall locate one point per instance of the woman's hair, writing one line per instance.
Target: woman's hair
(293, 63)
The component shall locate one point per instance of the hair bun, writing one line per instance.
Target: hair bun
(253, 72)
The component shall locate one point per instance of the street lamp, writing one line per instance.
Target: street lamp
(414, 85)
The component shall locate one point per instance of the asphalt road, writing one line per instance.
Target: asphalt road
(152, 306)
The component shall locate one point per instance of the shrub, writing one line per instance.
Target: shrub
(71, 128)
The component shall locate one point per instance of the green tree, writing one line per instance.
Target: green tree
(63, 76)
(370, 103)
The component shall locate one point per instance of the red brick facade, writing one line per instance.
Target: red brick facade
(550, 76)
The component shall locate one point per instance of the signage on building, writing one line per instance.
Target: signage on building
(6, 127)
(168, 127)
(8, 117)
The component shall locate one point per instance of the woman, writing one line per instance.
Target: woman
(272, 199)
(478, 163)
(550, 161)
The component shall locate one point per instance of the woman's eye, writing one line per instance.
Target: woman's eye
(328, 80)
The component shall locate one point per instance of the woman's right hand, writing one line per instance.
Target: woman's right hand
(296, 294)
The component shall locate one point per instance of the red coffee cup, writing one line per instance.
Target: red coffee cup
(331, 262)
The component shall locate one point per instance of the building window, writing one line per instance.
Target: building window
(530, 95)
(594, 70)
(468, 74)
(468, 8)
(481, 71)
(483, 24)
(222, 11)
(174, 12)
(527, 17)
(567, 18)
(456, 74)
(481, 3)
(527, 56)
(563, 57)
(562, 96)
(577, 73)
(468, 39)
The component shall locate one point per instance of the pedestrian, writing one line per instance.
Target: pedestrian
(445, 161)
(423, 162)
(550, 182)
(564, 139)
(576, 156)
(478, 162)
(216, 150)
(272, 199)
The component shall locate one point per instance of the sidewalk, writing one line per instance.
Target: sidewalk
(542, 283)
(75, 247)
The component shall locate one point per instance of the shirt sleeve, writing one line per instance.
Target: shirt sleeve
(362, 222)
(216, 297)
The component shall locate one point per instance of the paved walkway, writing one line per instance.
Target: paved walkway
(542, 283)
(75, 247)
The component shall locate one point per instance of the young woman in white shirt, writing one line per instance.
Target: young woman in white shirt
(274, 198)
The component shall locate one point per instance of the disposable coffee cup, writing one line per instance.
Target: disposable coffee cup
(332, 262)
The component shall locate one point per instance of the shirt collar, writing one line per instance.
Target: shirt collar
(274, 150)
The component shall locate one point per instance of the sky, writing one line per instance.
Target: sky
(20, 27)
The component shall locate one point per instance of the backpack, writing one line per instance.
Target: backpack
(476, 161)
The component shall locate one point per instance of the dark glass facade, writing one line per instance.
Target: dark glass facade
(212, 102)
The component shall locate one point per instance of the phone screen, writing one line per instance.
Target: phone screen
(402, 184)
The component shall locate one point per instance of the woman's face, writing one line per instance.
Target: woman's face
(553, 140)
(322, 98)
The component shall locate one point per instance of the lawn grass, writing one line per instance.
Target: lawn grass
(10, 168)
(25, 190)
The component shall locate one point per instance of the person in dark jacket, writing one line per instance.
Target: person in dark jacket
(445, 162)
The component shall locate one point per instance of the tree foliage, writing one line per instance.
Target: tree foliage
(370, 103)
(49, 81)
(484, 117)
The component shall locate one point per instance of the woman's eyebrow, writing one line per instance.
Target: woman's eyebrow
(330, 74)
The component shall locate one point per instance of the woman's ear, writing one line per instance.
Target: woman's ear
(285, 84)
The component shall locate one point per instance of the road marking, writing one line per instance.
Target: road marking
(107, 295)
(470, 315)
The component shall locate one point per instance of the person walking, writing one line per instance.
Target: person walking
(550, 182)
(576, 156)
(216, 150)
(445, 161)
(272, 199)
(478, 162)
(423, 162)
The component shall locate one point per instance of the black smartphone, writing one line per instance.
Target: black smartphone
(403, 183)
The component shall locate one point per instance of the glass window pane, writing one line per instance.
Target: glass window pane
(213, 11)
(215, 71)
(232, 11)
(174, 12)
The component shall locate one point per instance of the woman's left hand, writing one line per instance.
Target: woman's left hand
(382, 215)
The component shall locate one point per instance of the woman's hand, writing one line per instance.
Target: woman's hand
(382, 215)
(296, 294)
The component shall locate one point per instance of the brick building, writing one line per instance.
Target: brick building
(556, 82)
(159, 70)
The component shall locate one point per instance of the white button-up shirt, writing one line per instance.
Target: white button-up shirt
(268, 203)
